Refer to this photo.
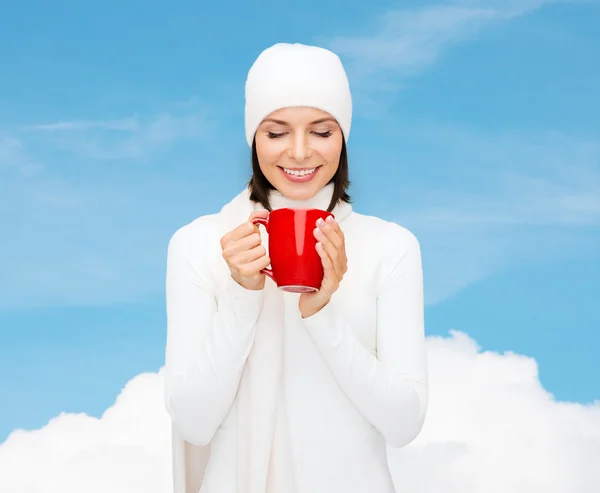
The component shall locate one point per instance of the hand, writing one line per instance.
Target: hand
(245, 255)
(331, 247)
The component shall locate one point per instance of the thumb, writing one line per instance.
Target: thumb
(261, 213)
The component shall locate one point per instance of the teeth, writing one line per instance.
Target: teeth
(299, 173)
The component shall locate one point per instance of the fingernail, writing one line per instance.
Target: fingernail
(318, 232)
(320, 222)
(330, 219)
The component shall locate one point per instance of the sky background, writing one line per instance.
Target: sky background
(475, 125)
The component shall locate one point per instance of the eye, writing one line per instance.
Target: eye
(324, 134)
(273, 135)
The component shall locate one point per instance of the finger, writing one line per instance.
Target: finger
(249, 242)
(260, 213)
(248, 256)
(338, 230)
(334, 255)
(342, 246)
(332, 234)
(336, 235)
(330, 280)
(254, 267)
(243, 230)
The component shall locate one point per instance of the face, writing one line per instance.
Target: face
(298, 150)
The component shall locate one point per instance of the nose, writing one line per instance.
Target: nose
(299, 149)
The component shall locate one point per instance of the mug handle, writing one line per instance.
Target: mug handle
(265, 223)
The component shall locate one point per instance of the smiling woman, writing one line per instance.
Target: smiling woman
(303, 143)
(272, 391)
(299, 145)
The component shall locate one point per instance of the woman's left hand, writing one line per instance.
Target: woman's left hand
(331, 247)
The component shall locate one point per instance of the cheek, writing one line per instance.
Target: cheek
(268, 150)
(331, 150)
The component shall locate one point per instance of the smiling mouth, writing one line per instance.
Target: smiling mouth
(300, 172)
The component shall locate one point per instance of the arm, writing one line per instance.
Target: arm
(390, 390)
(208, 341)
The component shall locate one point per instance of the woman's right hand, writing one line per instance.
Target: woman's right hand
(245, 255)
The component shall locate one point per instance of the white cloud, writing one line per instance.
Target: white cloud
(491, 428)
(539, 179)
(511, 199)
(126, 450)
(11, 150)
(92, 220)
(530, 190)
(404, 42)
(532, 179)
(104, 241)
(131, 138)
(125, 124)
(13, 156)
(408, 40)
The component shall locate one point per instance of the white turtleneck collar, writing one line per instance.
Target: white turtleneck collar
(320, 200)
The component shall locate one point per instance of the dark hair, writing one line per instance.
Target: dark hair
(260, 187)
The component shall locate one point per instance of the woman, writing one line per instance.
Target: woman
(277, 392)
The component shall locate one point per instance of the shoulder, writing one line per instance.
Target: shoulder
(389, 250)
(208, 229)
(193, 252)
(195, 235)
(392, 237)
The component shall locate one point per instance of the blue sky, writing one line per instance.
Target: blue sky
(475, 125)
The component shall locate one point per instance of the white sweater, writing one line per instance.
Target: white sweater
(355, 373)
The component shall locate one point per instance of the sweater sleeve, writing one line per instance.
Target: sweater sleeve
(390, 389)
(209, 338)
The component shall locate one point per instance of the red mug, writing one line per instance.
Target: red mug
(295, 263)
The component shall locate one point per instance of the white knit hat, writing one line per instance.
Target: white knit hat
(286, 75)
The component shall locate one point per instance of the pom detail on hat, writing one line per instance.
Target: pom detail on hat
(287, 75)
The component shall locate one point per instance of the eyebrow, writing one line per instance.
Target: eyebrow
(281, 122)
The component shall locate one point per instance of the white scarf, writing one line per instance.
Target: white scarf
(264, 461)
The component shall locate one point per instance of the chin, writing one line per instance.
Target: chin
(299, 192)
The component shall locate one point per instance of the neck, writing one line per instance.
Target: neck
(320, 200)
